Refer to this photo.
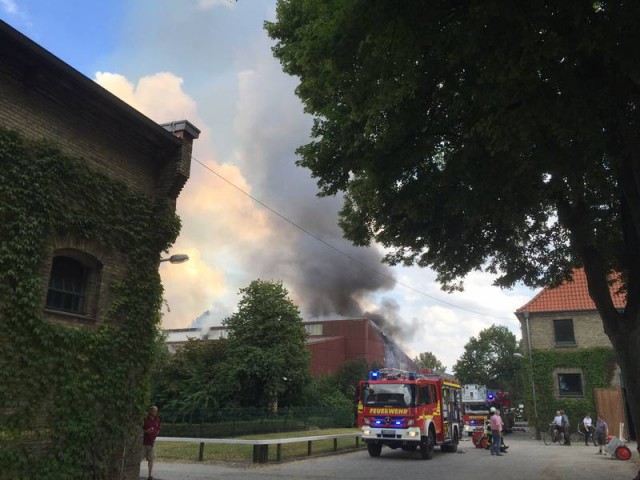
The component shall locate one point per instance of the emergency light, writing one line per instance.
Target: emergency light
(373, 375)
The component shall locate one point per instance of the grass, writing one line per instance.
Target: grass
(188, 452)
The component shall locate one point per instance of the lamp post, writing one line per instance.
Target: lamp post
(533, 383)
(177, 258)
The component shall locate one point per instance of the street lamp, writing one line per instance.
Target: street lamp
(177, 258)
(533, 385)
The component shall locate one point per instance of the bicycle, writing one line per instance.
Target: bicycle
(578, 436)
(552, 435)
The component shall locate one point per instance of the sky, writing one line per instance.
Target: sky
(248, 212)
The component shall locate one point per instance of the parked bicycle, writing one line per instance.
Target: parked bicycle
(553, 435)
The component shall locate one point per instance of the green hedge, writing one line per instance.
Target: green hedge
(254, 421)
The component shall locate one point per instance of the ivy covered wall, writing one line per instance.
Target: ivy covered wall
(72, 396)
(597, 366)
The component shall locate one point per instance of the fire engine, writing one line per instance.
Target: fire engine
(408, 410)
(477, 401)
(476, 408)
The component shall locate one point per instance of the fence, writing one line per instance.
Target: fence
(261, 447)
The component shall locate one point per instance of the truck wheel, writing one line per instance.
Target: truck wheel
(427, 445)
(374, 449)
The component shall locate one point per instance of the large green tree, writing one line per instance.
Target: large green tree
(488, 359)
(470, 135)
(429, 360)
(266, 344)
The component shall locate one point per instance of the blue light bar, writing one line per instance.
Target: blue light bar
(374, 375)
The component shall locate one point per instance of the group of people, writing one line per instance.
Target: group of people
(561, 426)
(599, 432)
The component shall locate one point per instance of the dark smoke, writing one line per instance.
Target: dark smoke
(325, 283)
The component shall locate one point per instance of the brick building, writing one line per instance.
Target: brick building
(331, 342)
(563, 334)
(44, 99)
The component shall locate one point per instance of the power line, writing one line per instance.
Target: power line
(341, 252)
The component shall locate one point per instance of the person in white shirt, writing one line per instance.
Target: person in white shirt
(588, 428)
(557, 425)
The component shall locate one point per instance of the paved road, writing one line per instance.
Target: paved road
(527, 459)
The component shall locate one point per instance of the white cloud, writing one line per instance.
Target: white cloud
(204, 4)
(9, 6)
(220, 224)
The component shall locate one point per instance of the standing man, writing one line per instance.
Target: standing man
(602, 432)
(151, 430)
(496, 433)
(587, 423)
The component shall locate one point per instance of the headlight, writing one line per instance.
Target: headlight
(366, 431)
(412, 433)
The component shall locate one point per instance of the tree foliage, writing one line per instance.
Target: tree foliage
(488, 359)
(192, 382)
(481, 135)
(267, 344)
(429, 360)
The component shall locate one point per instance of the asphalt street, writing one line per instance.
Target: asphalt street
(527, 459)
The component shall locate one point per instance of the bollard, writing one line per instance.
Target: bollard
(260, 453)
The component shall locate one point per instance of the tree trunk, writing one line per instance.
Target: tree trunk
(273, 403)
(623, 329)
(626, 344)
(624, 333)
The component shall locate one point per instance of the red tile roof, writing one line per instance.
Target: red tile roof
(570, 296)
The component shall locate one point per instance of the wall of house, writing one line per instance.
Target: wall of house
(327, 355)
(361, 339)
(106, 150)
(587, 327)
(44, 104)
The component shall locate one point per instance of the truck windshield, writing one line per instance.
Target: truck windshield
(390, 394)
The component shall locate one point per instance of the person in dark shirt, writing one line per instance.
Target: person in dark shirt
(151, 429)
(602, 432)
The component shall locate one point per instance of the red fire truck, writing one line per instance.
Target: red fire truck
(477, 402)
(408, 410)
(476, 408)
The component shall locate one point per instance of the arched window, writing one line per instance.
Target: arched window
(73, 282)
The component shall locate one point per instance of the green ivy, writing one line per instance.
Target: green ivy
(71, 397)
(597, 365)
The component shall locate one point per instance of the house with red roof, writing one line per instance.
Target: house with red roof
(570, 360)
